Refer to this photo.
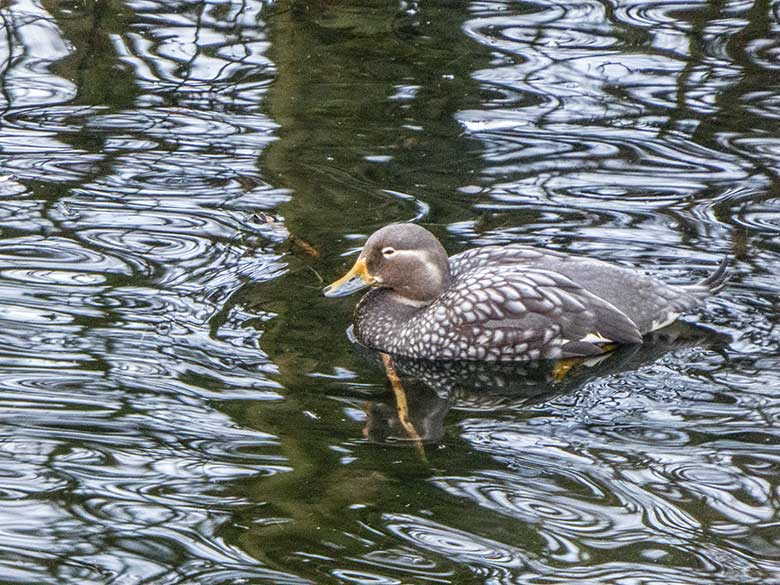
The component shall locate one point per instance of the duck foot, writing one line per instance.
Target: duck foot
(562, 366)
(402, 405)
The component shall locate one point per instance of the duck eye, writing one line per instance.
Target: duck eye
(388, 251)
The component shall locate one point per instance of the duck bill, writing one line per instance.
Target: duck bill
(356, 279)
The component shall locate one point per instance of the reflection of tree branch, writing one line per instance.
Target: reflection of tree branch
(198, 26)
(731, 113)
(187, 69)
(11, 30)
(695, 58)
(6, 64)
(239, 41)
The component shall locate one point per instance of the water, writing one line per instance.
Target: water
(180, 405)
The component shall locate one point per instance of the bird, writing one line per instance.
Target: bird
(504, 303)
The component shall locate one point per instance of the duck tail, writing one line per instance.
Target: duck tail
(712, 283)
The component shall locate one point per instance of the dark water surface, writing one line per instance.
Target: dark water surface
(180, 405)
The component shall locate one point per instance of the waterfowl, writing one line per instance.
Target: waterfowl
(503, 303)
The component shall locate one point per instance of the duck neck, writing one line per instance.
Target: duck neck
(379, 317)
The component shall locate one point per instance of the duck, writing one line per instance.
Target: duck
(504, 303)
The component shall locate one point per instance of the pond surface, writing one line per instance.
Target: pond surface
(178, 179)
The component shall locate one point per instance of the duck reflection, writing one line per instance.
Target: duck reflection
(422, 392)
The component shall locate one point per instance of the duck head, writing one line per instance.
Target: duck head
(404, 258)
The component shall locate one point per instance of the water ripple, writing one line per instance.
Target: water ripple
(178, 404)
(454, 544)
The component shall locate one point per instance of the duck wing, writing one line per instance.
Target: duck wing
(648, 302)
(506, 313)
(509, 255)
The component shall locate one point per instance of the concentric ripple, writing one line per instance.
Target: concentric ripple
(460, 546)
(114, 258)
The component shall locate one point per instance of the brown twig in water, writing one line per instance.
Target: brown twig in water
(305, 246)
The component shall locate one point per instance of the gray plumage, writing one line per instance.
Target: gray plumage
(505, 303)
